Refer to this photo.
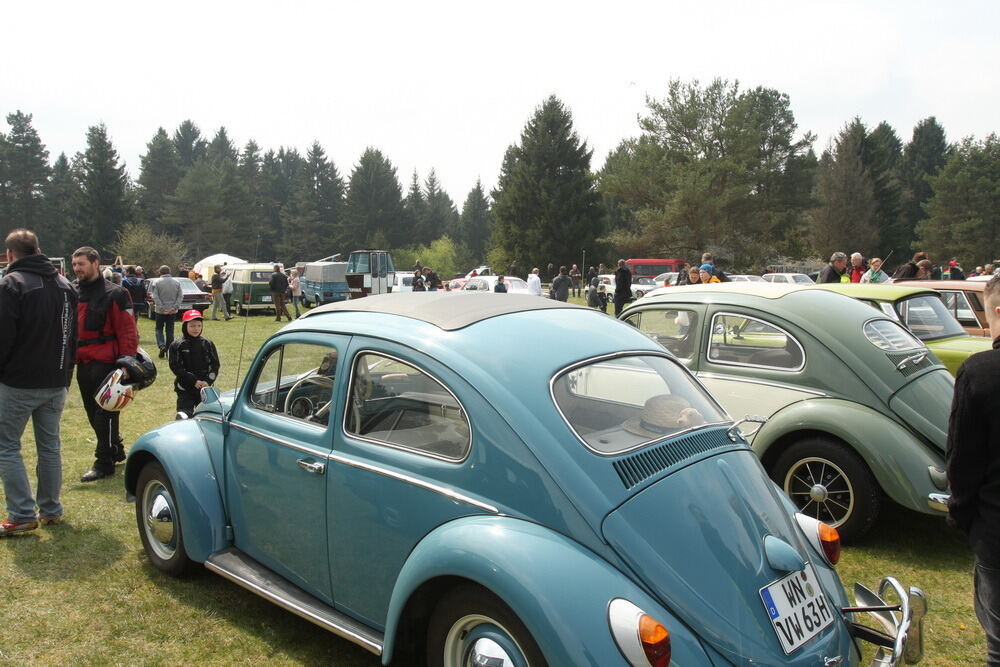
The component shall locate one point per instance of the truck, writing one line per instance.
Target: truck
(324, 281)
(650, 268)
(370, 272)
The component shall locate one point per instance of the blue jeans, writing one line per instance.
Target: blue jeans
(44, 407)
(986, 579)
(161, 322)
(296, 300)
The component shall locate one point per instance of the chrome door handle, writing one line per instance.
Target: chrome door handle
(916, 358)
(312, 466)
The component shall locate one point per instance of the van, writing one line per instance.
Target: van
(250, 286)
(370, 272)
(324, 282)
(650, 268)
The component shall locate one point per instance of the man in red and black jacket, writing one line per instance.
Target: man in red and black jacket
(106, 331)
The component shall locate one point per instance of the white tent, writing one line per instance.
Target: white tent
(206, 267)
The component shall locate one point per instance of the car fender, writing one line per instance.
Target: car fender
(181, 449)
(897, 458)
(559, 589)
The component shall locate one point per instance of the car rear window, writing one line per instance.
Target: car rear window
(890, 336)
(619, 404)
(928, 318)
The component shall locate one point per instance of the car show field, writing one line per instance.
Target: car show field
(96, 599)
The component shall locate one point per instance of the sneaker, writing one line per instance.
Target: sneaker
(9, 527)
(49, 521)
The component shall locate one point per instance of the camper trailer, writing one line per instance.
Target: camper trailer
(324, 282)
(370, 272)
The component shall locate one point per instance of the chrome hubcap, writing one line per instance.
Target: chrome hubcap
(821, 490)
(158, 517)
(487, 653)
(477, 640)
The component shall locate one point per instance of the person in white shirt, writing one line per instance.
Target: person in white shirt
(534, 283)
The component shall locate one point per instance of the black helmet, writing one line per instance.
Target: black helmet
(140, 369)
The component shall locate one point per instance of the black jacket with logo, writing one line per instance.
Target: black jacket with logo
(193, 358)
(37, 325)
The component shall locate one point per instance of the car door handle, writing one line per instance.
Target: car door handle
(312, 466)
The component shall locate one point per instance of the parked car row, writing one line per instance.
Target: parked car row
(584, 499)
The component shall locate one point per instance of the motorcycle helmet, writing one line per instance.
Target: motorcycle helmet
(114, 393)
(140, 371)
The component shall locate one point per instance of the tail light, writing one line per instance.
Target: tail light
(643, 640)
(822, 536)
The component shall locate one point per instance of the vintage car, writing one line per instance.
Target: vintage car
(924, 313)
(194, 296)
(581, 500)
(791, 278)
(963, 298)
(857, 408)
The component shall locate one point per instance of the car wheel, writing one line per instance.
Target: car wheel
(639, 294)
(158, 520)
(828, 481)
(471, 626)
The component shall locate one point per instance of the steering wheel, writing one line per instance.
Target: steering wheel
(319, 380)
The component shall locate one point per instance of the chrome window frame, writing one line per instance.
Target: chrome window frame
(921, 344)
(634, 353)
(281, 414)
(393, 445)
(711, 330)
(688, 308)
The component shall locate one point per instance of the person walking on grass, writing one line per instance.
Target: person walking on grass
(218, 300)
(279, 286)
(37, 353)
(168, 295)
(623, 287)
(559, 289)
(105, 332)
(295, 285)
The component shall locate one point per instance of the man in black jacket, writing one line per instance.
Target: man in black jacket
(37, 354)
(974, 470)
(623, 287)
(279, 288)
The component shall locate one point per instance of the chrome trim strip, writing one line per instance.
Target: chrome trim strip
(938, 501)
(711, 332)
(766, 383)
(633, 353)
(393, 445)
(287, 443)
(325, 623)
(444, 491)
(210, 418)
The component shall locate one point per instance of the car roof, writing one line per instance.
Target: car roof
(448, 311)
(966, 285)
(881, 292)
(765, 289)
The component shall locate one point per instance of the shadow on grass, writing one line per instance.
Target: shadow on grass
(64, 552)
(914, 540)
(286, 635)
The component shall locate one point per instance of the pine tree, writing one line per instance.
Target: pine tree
(312, 218)
(414, 209)
(441, 216)
(197, 210)
(189, 144)
(374, 210)
(546, 208)
(4, 181)
(104, 202)
(256, 184)
(221, 148)
(923, 158)
(61, 193)
(27, 173)
(882, 156)
(159, 175)
(475, 226)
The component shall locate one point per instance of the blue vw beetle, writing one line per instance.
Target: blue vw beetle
(482, 479)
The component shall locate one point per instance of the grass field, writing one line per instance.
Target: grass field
(83, 592)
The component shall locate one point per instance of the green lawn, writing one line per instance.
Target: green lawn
(84, 593)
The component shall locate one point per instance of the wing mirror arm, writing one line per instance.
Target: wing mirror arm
(734, 432)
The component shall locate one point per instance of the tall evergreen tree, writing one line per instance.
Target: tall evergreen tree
(159, 175)
(61, 194)
(374, 209)
(221, 148)
(546, 208)
(441, 216)
(475, 226)
(312, 218)
(256, 184)
(198, 210)
(923, 158)
(189, 144)
(104, 201)
(847, 214)
(882, 156)
(27, 173)
(414, 209)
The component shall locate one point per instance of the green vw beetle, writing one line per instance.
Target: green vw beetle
(856, 408)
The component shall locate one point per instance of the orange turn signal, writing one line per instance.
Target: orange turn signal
(829, 538)
(655, 641)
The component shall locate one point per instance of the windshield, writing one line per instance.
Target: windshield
(802, 279)
(928, 318)
(615, 405)
(359, 262)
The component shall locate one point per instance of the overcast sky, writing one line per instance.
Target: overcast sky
(449, 85)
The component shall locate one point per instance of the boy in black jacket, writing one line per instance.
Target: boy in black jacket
(195, 362)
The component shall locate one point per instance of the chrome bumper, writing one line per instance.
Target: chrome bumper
(938, 501)
(902, 641)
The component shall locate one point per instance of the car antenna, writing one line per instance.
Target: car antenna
(246, 316)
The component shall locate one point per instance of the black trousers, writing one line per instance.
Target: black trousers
(90, 376)
(188, 400)
(986, 581)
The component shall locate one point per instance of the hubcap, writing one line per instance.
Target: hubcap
(487, 653)
(158, 517)
(820, 489)
(479, 641)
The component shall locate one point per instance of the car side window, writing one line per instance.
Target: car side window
(960, 307)
(395, 403)
(673, 328)
(747, 341)
(296, 380)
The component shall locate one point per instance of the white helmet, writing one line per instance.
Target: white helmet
(114, 394)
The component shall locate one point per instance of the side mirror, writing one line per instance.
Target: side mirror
(209, 395)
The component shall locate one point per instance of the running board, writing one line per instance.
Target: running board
(240, 568)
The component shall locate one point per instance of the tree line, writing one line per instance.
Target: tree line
(712, 167)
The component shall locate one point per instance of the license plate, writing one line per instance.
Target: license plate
(798, 608)
(265, 299)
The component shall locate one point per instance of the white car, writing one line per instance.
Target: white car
(792, 278)
(403, 283)
(743, 277)
(480, 271)
(640, 288)
(666, 279)
(486, 283)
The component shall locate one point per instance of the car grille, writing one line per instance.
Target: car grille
(635, 469)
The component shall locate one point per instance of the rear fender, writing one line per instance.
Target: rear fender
(558, 588)
(181, 449)
(898, 459)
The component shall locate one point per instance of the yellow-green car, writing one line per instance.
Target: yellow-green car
(923, 312)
